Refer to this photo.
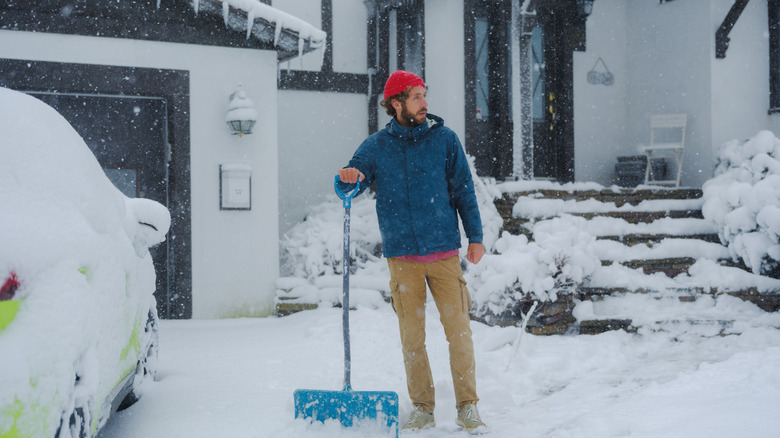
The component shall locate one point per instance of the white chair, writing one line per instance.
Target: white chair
(667, 140)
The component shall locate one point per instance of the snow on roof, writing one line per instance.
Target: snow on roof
(266, 23)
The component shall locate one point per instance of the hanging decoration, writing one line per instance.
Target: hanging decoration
(597, 77)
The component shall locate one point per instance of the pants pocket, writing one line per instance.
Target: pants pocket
(394, 295)
(465, 295)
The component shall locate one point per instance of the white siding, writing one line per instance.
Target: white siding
(320, 132)
(740, 82)
(444, 72)
(663, 59)
(670, 50)
(601, 126)
(349, 36)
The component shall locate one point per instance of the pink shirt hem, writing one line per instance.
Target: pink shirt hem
(429, 258)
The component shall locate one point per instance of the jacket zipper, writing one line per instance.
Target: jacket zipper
(409, 198)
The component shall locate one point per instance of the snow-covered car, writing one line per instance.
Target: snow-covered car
(77, 311)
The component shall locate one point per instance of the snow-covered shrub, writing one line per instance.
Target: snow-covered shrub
(314, 247)
(560, 258)
(743, 200)
(492, 222)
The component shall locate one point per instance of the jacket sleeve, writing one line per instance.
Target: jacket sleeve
(462, 193)
(360, 161)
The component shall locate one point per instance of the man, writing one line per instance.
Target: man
(423, 183)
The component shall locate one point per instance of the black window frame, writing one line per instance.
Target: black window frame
(773, 11)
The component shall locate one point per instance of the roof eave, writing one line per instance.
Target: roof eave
(287, 44)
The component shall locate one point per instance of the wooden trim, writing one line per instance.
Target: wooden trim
(774, 55)
(323, 81)
(469, 65)
(722, 34)
(327, 27)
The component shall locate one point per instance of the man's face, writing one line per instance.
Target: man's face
(413, 111)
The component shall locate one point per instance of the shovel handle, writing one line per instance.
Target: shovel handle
(346, 198)
(347, 201)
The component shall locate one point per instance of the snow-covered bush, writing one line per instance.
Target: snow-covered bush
(314, 247)
(743, 200)
(560, 258)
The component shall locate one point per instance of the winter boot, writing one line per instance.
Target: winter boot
(468, 419)
(419, 420)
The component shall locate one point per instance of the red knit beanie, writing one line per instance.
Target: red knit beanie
(400, 81)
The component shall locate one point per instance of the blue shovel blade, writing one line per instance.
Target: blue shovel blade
(349, 407)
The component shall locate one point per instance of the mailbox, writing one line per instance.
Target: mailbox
(235, 187)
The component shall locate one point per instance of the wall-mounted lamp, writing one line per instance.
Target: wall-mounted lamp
(242, 114)
(585, 7)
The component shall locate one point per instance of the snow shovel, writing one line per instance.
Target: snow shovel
(347, 406)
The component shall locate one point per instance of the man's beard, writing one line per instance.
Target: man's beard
(406, 115)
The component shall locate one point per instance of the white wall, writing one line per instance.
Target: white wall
(319, 132)
(350, 39)
(663, 59)
(444, 72)
(234, 253)
(670, 50)
(349, 34)
(601, 126)
(740, 82)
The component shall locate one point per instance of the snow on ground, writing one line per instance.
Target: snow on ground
(703, 368)
(235, 378)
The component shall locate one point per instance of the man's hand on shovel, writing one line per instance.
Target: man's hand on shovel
(350, 175)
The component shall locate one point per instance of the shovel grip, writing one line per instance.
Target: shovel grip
(346, 198)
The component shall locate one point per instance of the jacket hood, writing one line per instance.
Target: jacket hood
(396, 130)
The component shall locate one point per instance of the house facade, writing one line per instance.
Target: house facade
(535, 89)
(511, 78)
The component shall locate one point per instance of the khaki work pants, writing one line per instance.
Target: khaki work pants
(452, 298)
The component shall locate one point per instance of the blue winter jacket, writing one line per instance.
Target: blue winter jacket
(423, 182)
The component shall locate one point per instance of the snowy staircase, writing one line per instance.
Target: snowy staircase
(639, 234)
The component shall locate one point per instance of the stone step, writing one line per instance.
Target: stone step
(650, 239)
(672, 267)
(615, 200)
(551, 318)
(618, 196)
(766, 300)
(637, 217)
(519, 225)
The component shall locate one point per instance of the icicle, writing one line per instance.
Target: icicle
(250, 21)
(196, 3)
(225, 11)
(300, 49)
(278, 30)
(158, 4)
